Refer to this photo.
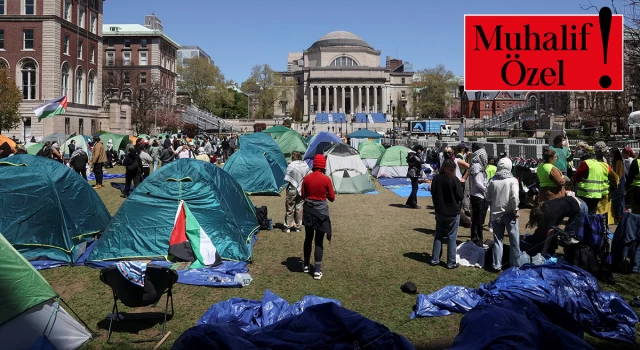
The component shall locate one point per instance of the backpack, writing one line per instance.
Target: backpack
(263, 218)
(133, 166)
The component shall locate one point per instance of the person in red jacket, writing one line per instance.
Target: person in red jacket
(316, 189)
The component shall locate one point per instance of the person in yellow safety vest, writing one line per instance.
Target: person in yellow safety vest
(550, 178)
(595, 179)
(632, 185)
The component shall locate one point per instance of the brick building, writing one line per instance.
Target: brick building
(486, 104)
(146, 51)
(52, 48)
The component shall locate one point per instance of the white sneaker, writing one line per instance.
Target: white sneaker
(296, 230)
(317, 275)
(305, 269)
(286, 230)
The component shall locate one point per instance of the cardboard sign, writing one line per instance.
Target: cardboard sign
(544, 52)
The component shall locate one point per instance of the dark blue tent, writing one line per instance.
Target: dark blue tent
(320, 143)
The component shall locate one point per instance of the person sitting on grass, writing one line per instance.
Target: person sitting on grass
(447, 195)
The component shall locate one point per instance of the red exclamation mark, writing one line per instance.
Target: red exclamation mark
(605, 28)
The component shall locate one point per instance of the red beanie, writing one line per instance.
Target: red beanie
(319, 161)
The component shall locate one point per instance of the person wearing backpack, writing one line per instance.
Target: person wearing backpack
(133, 166)
(146, 160)
(79, 160)
(414, 160)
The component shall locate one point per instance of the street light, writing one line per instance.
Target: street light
(24, 129)
(429, 126)
(393, 117)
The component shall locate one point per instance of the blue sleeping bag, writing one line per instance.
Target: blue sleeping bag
(323, 326)
(567, 295)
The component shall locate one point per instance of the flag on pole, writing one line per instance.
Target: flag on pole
(189, 242)
(51, 108)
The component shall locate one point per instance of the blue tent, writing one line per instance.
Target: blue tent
(264, 143)
(256, 171)
(320, 143)
(142, 227)
(364, 134)
(46, 209)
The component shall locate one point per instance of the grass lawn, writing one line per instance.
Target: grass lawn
(376, 247)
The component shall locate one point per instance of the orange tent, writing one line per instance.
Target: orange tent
(133, 139)
(4, 139)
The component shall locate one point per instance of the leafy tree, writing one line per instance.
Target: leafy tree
(257, 127)
(190, 130)
(266, 87)
(205, 84)
(431, 93)
(10, 98)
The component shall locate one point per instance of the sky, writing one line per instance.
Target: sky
(240, 34)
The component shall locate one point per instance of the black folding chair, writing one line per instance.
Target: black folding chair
(157, 281)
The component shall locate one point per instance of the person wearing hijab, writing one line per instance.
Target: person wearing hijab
(296, 171)
(55, 152)
(202, 155)
(414, 160)
(111, 154)
(167, 154)
(504, 198)
(477, 187)
(72, 146)
(78, 161)
(316, 190)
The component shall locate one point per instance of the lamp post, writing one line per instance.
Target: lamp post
(366, 122)
(24, 129)
(393, 117)
(429, 133)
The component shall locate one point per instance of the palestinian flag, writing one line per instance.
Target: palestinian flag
(51, 108)
(189, 242)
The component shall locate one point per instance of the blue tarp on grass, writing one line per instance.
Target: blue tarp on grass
(272, 323)
(567, 295)
(92, 176)
(405, 191)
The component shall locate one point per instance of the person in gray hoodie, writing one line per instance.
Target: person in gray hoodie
(478, 185)
(503, 196)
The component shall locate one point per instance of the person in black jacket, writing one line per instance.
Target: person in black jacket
(78, 161)
(414, 160)
(447, 195)
(133, 165)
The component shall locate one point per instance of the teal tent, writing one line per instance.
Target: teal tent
(276, 131)
(142, 227)
(46, 209)
(264, 142)
(364, 134)
(80, 140)
(256, 171)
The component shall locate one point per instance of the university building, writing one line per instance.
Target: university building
(339, 77)
(52, 48)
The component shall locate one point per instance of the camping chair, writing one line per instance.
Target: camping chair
(158, 281)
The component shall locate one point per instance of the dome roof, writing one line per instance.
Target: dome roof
(340, 38)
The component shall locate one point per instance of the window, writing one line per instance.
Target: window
(29, 7)
(343, 61)
(91, 87)
(28, 80)
(127, 78)
(284, 108)
(111, 78)
(79, 77)
(403, 94)
(79, 49)
(1, 39)
(110, 58)
(81, 17)
(110, 43)
(67, 10)
(66, 45)
(126, 57)
(64, 83)
(28, 39)
(143, 78)
(581, 105)
(92, 4)
(2, 7)
(143, 58)
(93, 54)
(127, 43)
(67, 126)
(93, 127)
(143, 43)
(486, 105)
(504, 105)
(94, 21)
(81, 126)
(403, 81)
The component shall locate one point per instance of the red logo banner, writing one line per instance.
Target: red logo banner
(544, 53)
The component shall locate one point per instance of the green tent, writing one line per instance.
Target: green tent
(119, 141)
(263, 142)
(34, 148)
(276, 131)
(58, 210)
(142, 227)
(80, 140)
(370, 152)
(26, 301)
(142, 136)
(242, 166)
(392, 163)
(291, 141)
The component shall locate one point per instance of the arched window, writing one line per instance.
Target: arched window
(79, 83)
(29, 80)
(343, 61)
(64, 83)
(91, 89)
